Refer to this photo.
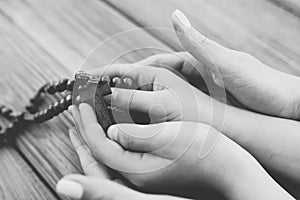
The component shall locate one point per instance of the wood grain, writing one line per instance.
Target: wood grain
(257, 27)
(46, 41)
(69, 30)
(17, 180)
(292, 6)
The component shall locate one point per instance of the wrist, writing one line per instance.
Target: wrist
(296, 106)
(246, 179)
(294, 98)
(237, 175)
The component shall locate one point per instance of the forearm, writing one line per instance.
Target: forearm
(239, 176)
(273, 141)
(294, 83)
(251, 181)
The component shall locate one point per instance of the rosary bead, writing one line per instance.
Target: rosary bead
(36, 100)
(116, 81)
(31, 109)
(25, 117)
(128, 82)
(36, 116)
(70, 85)
(56, 109)
(50, 109)
(69, 100)
(6, 111)
(44, 114)
(52, 88)
(9, 128)
(62, 105)
(105, 79)
(61, 85)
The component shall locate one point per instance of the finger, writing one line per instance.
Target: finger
(92, 188)
(105, 149)
(143, 138)
(169, 60)
(182, 64)
(78, 123)
(87, 114)
(70, 109)
(140, 75)
(90, 166)
(153, 103)
(205, 50)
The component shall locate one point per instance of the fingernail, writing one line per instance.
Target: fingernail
(112, 132)
(182, 18)
(69, 188)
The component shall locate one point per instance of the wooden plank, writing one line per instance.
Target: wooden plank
(25, 67)
(292, 6)
(257, 27)
(17, 180)
(69, 30)
(58, 36)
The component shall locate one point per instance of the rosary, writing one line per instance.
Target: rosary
(85, 88)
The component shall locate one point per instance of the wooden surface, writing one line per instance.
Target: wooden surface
(47, 40)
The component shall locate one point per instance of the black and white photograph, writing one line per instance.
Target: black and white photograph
(149, 100)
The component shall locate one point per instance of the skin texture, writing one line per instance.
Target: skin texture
(165, 96)
(95, 179)
(253, 83)
(271, 140)
(264, 143)
(133, 146)
(236, 178)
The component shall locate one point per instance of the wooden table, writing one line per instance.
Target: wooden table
(42, 41)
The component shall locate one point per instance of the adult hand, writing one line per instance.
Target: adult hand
(187, 67)
(176, 155)
(254, 84)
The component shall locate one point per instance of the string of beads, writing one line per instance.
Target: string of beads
(18, 120)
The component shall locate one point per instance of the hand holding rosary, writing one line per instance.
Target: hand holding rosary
(84, 88)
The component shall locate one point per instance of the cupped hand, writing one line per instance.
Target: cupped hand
(160, 156)
(253, 83)
(188, 68)
(158, 92)
(78, 186)
(96, 185)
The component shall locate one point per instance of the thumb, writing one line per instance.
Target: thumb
(209, 52)
(153, 103)
(78, 186)
(89, 164)
(143, 138)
